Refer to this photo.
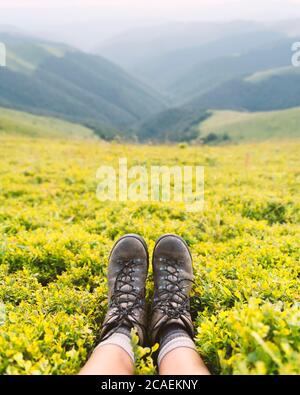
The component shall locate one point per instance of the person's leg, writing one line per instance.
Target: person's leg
(108, 360)
(182, 361)
(171, 323)
(127, 273)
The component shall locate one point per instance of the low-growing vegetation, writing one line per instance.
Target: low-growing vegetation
(55, 238)
(255, 126)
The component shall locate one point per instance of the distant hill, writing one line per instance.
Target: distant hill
(189, 69)
(264, 75)
(273, 93)
(211, 65)
(56, 80)
(207, 76)
(243, 126)
(141, 45)
(290, 27)
(172, 125)
(24, 124)
(181, 72)
(170, 56)
(267, 90)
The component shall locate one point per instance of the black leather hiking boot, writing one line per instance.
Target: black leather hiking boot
(173, 278)
(127, 273)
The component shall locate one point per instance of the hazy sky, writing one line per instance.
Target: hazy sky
(41, 12)
(75, 20)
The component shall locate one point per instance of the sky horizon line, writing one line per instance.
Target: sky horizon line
(45, 12)
(63, 19)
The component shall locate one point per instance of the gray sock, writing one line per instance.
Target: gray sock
(172, 337)
(120, 338)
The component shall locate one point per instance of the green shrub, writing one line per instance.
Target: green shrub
(55, 239)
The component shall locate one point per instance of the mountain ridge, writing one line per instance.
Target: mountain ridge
(73, 85)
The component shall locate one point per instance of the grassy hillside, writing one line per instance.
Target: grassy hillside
(241, 72)
(51, 79)
(55, 239)
(269, 73)
(26, 54)
(243, 126)
(274, 93)
(24, 124)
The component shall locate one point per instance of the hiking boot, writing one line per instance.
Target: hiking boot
(173, 278)
(127, 273)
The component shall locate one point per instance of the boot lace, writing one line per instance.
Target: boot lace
(172, 299)
(125, 298)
